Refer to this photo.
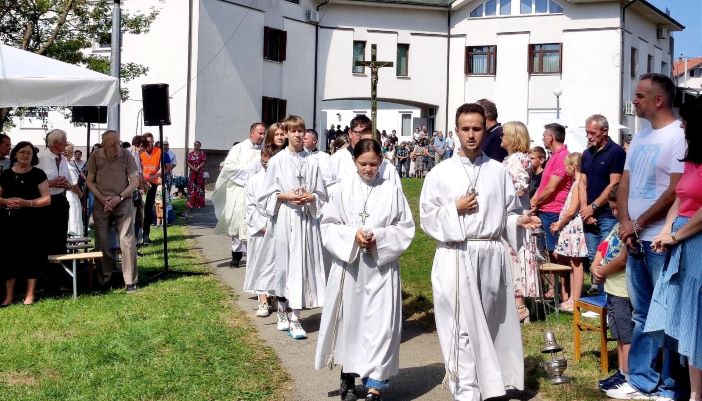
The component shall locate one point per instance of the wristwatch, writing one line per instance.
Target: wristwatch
(594, 206)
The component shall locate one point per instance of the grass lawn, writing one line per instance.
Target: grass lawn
(416, 280)
(174, 339)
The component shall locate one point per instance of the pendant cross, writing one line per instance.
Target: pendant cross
(374, 65)
(364, 215)
(299, 178)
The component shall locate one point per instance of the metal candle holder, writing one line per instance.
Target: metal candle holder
(556, 366)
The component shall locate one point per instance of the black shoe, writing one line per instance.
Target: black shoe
(614, 381)
(347, 387)
(146, 241)
(236, 259)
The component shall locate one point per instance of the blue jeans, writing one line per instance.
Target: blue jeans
(642, 272)
(375, 384)
(548, 218)
(595, 234)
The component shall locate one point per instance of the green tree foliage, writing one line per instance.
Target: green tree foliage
(66, 29)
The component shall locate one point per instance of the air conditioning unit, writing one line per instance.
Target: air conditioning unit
(629, 108)
(661, 32)
(312, 16)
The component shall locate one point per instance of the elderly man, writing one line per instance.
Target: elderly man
(113, 177)
(55, 165)
(652, 170)
(229, 196)
(5, 148)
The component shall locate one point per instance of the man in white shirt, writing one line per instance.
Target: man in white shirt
(5, 148)
(646, 192)
(310, 143)
(55, 165)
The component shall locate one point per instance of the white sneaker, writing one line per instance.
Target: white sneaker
(283, 322)
(262, 310)
(296, 331)
(627, 392)
(661, 398)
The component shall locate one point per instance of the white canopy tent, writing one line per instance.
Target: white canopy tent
(31, 80)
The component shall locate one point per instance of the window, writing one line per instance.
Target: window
(545, 58)
(491, 8)
(664, 68)
(406, 124)
(359, 54)
(649, 64)
(634, 62)
(274, 43)
(480, 60)
(273, 110)
(539, 7)
(401, 68)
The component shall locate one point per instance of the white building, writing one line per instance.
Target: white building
(687, 73)
(263, 59)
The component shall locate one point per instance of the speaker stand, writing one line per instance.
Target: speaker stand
(164, 192)
(85, 194)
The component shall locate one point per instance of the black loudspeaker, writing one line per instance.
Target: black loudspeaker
(157, 110)
(89, 114)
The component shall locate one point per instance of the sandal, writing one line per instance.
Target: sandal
(523, 313)
(567, 306)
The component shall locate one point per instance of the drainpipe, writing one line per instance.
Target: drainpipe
(316, 60)
(621, 65)
(188, 91)
(448, 67)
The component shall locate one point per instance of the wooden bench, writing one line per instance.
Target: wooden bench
(74, 258)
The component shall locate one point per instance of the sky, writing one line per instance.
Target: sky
(688, 43)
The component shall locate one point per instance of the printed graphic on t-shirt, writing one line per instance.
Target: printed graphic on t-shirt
(643, 173)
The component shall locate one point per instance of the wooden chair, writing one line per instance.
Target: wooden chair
(547, 269)
(593, 304)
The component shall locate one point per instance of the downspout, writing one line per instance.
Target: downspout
(316, 60)
(188, 91)
(621, 65)
(448, 67)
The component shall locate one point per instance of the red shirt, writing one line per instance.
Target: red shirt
(555, 166)
(689, 190)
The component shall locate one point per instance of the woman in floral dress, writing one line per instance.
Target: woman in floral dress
(196, 180)
(525, 269)
(571, 247)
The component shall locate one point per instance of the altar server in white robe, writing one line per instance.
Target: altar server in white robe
(229, 197)
(260, 259)
(292, 195)
(341, 162)
(468, 204)
(366, 226)
(310, 143)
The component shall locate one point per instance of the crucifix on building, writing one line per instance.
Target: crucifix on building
(374, 65)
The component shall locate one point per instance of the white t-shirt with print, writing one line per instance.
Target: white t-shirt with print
(652, 157)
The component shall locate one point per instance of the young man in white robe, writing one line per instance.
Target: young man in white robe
(291, 196)
(366, 226)
(229, 197)
(260, 262)
(468, 204)
(310, 144)
(341, 162)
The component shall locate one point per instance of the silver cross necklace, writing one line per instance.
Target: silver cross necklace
(364, 213)
(472, 182)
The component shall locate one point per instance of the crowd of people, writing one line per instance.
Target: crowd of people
(117, 187)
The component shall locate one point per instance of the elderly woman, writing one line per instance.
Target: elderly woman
(196, 182)
(24, 190)
(74, 195)
(676, 307)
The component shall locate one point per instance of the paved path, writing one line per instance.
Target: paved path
(421, 366)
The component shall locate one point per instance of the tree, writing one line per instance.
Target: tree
(65, 29)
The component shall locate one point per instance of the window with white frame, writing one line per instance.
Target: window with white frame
(406, 124)
(491, 8)
(539, 7)
(402, 68)
(359, 54)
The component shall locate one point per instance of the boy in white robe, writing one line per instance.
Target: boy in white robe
(291, 196)
(366, 226)
(468, 204)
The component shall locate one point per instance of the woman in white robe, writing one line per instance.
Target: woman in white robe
(362, 316)
(468, 204)
(291, 196)
(73, 195)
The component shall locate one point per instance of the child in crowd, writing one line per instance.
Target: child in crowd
(571, 247)
(609, 266)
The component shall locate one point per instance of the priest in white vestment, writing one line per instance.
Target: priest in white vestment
(229, 197)
(468, 204)
(362, 316)
(292, 194)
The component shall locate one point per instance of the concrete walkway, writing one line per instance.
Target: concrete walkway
(421, 365)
